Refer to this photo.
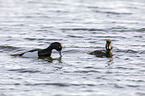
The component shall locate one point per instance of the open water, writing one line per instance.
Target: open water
(82, 26)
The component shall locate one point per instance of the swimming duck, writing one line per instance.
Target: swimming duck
(42, 53)
(104, 53)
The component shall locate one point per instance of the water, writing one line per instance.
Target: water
(82, 26)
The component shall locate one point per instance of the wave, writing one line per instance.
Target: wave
(141, 30)
(59, 84)
(103, 10)
(112, 29)
(113, 13)
(83, 29)
(130, 51)
(8, 48)
(126, 51)
(88, 71)
(25, 70)
(39, 39)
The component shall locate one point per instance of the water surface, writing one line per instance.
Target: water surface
(82, 26)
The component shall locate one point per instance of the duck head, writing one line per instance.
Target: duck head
(57, 46)
(109, 46)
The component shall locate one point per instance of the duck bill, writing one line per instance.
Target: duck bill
(60, 53)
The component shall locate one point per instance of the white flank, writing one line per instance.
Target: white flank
(30, 54)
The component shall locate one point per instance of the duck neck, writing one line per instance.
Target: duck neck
(45, 52)
(109, 53)
(49, 49)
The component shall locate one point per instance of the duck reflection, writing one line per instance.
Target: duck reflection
(50, 59)
(110, 62)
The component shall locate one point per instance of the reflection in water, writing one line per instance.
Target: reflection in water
(109, 67)
(50, 59)
(110, 62)
(58, 59)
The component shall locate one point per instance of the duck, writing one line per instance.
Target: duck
(42, 53)
(104, 53)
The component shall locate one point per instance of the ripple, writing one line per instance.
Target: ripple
(142, 52)
(127, 51)
(112, 13)
(101, 77)
(141, 30)
(121, 29)
(59, 84)
(125, 68)
(112, 29)
(118, 86)
(83, 29)
(87, 71)
(33, 39)
(74, 36)
(8, 48)
(134, 86)
(71, 50)
(141, 93)
(136, 80)
(55, 84)
(103, 10)
(25, 70)
(2, 94)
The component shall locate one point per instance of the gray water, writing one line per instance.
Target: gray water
(82, 26)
